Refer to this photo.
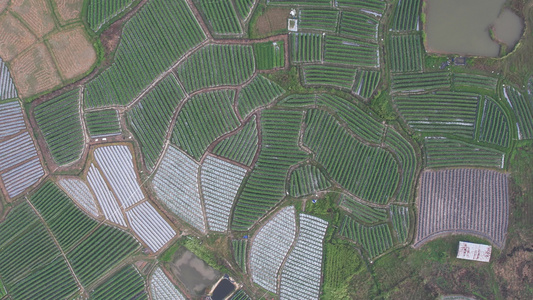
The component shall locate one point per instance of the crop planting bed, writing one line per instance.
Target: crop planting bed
(258, 93)
(406, 53)
(242, 146)
(443, 152)
(127, 283)
(105, 197)
(67, 223)
(102, 123)
(301, 274)
(265, 186)
(23, 176)
(363, 213)
(220, 15)
(79, 192)
(318, 19)
(408, 162)
(306, 47)
(495, 125)
(64, 135)
(307, 180)
(400, 221)
(99, 12)
(347, 51)
(523, 109)
(220, 182)
(244, 8)
(376, 240)
(338, 76)
(7, 88)
(370, 173)
(162, 288)
(359, 25)
(239, 253)
(366, 83)
(215, 65)
(16, 150)
(269, 55)
(150, 118)
(406, 16)
(204, 118)
(176, 185)
(440, 112)
(148, 224)
(469, 201)
(270, 246)
(140, 56)
(466, 80)
(303, 2)
(240, 295)
(420, 82)
(11, 119)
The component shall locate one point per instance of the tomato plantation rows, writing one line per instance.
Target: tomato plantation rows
(400, 221)
(127, 283)
(405, 53)
(366, 83)
(445, 152)
(359, 26)
(318, 19)
(102, 123)
(239, 253)
(523, 110)
(220, 15)
(342, 77)
(406, 15)
(350, 52)
(99, 12)
(363, 213)
(306, 47)
(307, 180)
(258, 93)
(495, 125)
(376, 240)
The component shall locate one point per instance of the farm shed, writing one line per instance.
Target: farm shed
(473, 251)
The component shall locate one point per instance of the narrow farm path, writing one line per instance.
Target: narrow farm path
(57, 245)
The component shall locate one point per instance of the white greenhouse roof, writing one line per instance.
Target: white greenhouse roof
(473, 251)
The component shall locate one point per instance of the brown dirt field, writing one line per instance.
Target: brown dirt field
(36, 13)
(14, 37)
(72, 51)
(3, 5)
(272, 20)
(34, 71)
(68, 10)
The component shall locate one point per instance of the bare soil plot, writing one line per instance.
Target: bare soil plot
(34, 71)
(72, 51)
(36, 13)
(68, 10)
(274, 19)
(14, 37)
(3, 5)
(466, 201)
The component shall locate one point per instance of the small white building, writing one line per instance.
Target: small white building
(471, 251)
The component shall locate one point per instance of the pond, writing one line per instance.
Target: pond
(464, 27)
(194, 273)
(224, 288)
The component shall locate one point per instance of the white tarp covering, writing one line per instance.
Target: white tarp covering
(473, 251)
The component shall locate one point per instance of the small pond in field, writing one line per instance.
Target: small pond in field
(194, 273)
(223, 289)
(464, 27)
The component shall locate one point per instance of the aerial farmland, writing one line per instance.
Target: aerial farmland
(265, 149)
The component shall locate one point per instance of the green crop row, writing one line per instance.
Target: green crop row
(405, 53)
(258, 93)
(408, 162)
(269, 55)
(307, 180)
(127, 283)
(406, 15)
(318, 19)
(150, 118)
(495, 125)
(377, 6)
(59, 121)
(215, 65)
(141, 56)
(242, 146)
(445, 152)
(364, 213)
(350, 52)
(306, 47)
(466, 80)
(204, 118)
(244, 7)
(440, 112)
(523, 109)
(370, 173)
(419, 82)
(366, 83)
(265, 187)
(359, 25)
(66, 221)
(338, 76)
(239, 253)
(240, 295)
(375, 240)
(400, 221)
(298, 100)
(220, 16)
(102, 122)
(100, 252)
(303, 2)
(100, 12)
